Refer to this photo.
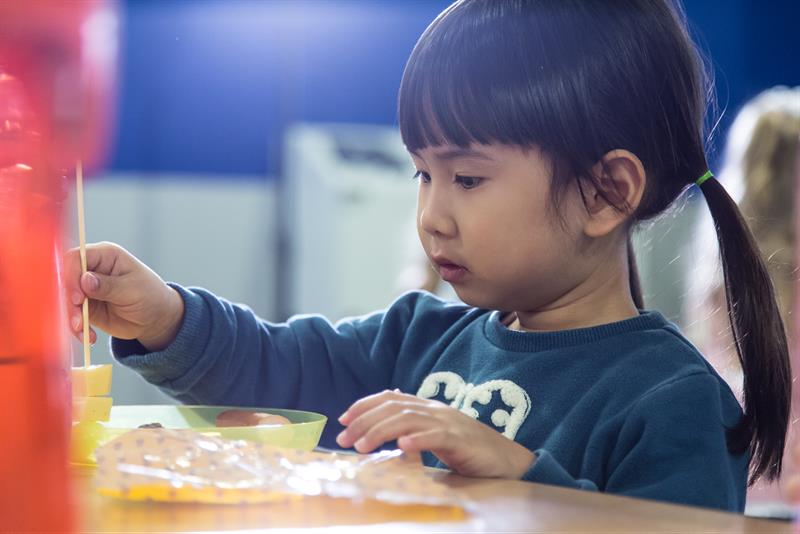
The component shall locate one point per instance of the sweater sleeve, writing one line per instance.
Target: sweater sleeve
(547, 470)
(671, 447)
(225, 355)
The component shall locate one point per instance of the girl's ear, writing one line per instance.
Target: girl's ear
(615, 194)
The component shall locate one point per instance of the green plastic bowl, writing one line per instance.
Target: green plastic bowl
(303, 433)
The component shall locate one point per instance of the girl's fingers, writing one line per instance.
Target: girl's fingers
(77, 296)
(432, 439)
(366, 404)
(388, 429)
(362, 424)
(363, 415)
(76, 326)
(76, 320)
(107, 258)
(92, 336)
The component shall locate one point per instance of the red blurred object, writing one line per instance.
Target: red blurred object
(56, 72)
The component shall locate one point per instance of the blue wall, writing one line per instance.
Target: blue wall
(207, 86)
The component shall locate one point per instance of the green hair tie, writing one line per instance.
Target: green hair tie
(703, 178)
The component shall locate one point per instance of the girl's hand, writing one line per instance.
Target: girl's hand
(126, 298)
(466, 445)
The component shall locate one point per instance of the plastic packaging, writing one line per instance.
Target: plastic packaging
(187, 466)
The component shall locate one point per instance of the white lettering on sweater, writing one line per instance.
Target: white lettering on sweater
(462, 396)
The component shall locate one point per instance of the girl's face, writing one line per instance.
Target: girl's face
(485, 219)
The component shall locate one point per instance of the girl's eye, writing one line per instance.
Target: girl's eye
(424, 177)
(468, 182)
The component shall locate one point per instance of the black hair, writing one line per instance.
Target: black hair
(577, 79)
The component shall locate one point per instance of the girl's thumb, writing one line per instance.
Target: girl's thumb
(97, 286)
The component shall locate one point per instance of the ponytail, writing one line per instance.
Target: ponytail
(759, 337)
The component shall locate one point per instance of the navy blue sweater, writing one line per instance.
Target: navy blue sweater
(630, 407)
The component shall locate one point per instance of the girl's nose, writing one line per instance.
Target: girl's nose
(434, 216)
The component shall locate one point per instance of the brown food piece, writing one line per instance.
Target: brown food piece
(272, 419)
(151, 425)
(248, 418)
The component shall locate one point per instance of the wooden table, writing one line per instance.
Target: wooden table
(496, 506)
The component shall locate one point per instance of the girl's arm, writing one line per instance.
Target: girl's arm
(225, 355)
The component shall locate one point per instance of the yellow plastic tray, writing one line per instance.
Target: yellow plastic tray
(303, 433)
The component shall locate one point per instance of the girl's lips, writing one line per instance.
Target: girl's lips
(451, 272)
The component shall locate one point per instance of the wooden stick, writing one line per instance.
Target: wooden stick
(87, 356)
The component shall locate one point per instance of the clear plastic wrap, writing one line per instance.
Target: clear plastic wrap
(187, 466)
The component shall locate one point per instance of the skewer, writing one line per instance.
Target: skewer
(87, 357)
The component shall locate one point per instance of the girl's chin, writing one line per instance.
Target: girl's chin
(479, 299)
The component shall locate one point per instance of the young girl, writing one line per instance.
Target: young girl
(542, 131)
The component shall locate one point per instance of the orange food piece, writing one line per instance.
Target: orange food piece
(92, 381)
(91, 408)
(248, 418)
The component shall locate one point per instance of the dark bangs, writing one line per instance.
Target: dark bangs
(482, 73)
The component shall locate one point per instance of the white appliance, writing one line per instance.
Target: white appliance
(347, 212)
